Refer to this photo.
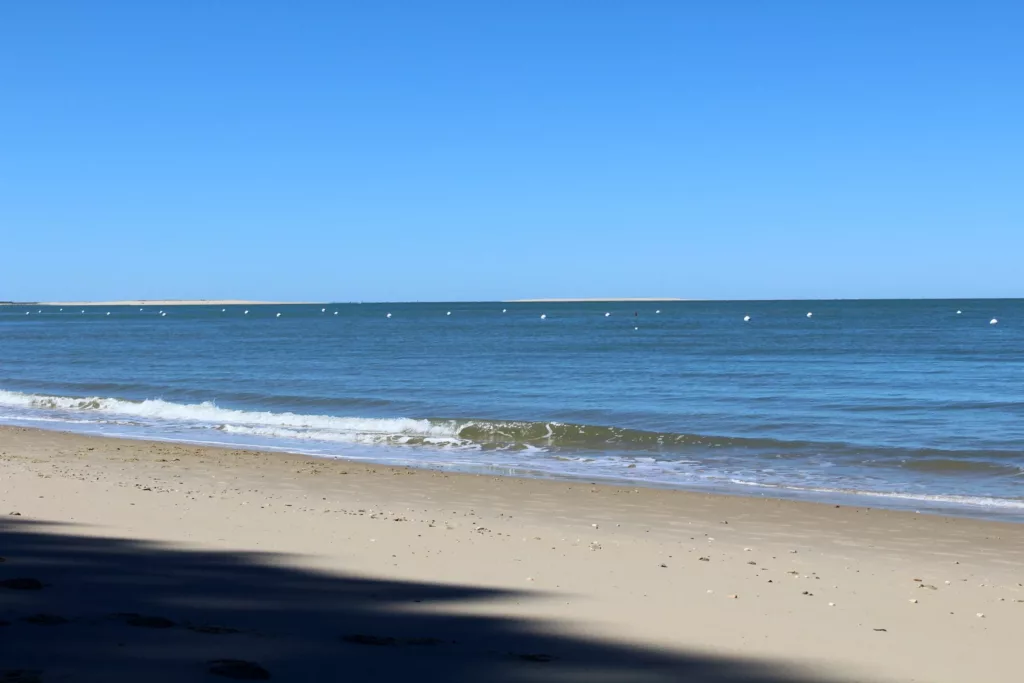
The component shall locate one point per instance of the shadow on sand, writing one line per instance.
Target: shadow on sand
(77, 608)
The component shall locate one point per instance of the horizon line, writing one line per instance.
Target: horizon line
(247, 302)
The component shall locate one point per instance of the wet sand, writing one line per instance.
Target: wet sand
(160, 560)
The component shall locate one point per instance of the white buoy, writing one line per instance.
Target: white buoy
(504, 310)
(28, 312)
(278, 315)
(636, 328)
(543, 316)
(809, 314)
(958, 312)
(83, 310)
(388, 315)
(162, 314)
(246, 313)
(658, 311)
(335, 313)
(448, 313)
(323, 310)
(746, 318)
(108, 312)
(993, 321)
(223, 310)
(39, 311)
(607, 314)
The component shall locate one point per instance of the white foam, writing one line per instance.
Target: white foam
(210, 412)
(354, 437)
(983, 501)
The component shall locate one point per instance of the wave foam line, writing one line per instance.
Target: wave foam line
(981, 501)
(209, 412)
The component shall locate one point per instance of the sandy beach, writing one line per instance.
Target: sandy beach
(125, 560)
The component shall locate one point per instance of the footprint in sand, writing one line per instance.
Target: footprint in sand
(238, 669)
(537, 657)
(20, 676)
(384, 641)
(215, 630)
(22, 584)
(362, 639)
(143, 621)
(45, 619)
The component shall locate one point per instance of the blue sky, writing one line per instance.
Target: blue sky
(487, 150)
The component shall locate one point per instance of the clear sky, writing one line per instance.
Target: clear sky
(484, 150)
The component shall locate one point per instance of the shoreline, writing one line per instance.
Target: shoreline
(660, 578)
(941, 505)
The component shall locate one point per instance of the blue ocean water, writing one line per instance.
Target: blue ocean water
(894, 403)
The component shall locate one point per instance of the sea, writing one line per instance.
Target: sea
(903, 404)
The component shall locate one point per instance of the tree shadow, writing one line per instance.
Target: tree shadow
(116, 610)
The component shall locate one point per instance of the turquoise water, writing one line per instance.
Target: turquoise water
(894, 403)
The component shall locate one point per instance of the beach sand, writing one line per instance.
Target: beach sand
(155, 560)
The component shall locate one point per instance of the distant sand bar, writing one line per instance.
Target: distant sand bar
(610, 300)
(172, 302)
